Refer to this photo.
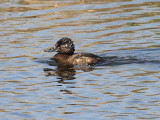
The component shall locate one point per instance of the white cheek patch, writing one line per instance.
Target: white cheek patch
(66, 45)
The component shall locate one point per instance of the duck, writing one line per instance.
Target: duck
(66, 54)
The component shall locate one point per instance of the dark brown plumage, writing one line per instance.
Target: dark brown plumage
(66, 55)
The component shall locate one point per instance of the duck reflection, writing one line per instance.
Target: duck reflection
(65, 72)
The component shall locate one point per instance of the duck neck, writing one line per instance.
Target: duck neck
(70, 53)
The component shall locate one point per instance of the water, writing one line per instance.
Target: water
(124, 31)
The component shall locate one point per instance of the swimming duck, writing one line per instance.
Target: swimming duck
(66, 55)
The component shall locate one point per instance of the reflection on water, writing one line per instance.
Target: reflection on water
(124, 87)
(64, 72)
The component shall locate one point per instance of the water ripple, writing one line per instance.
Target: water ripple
(125, 32)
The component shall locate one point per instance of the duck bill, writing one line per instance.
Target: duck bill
(52, 49)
